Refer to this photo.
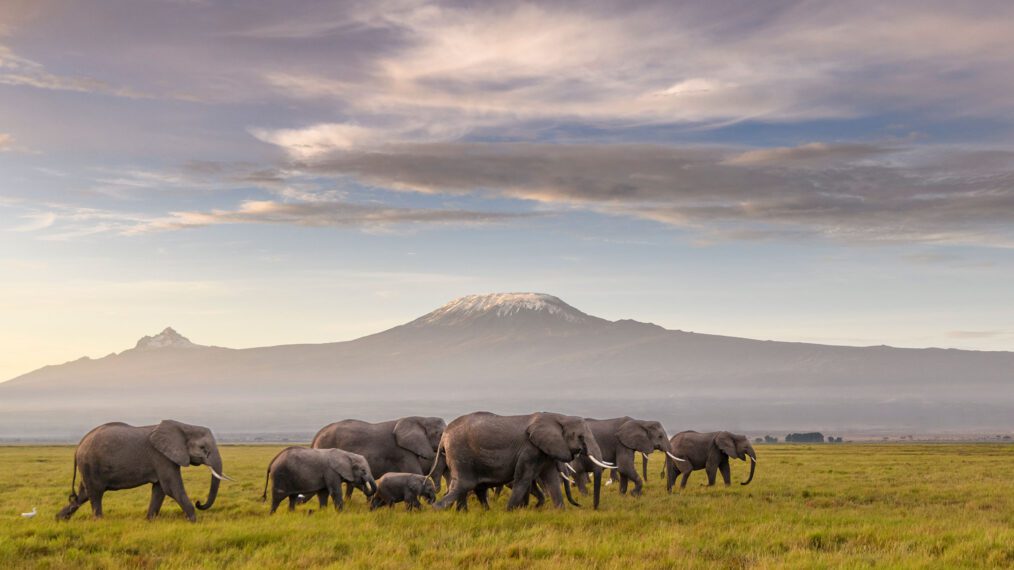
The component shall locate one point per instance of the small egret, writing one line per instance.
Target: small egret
(34, 512)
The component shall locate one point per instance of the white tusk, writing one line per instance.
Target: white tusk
(645, 455)
(572, 470)
(564, 475)
(754, 459)
(219, 475)
(601, 464)
(676, 458)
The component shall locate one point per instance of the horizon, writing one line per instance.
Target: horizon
(171, 328)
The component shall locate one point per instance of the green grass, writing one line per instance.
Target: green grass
(820, 506)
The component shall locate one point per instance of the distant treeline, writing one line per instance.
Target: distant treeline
(809, 437)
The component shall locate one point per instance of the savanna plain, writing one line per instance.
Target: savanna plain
(809, 506)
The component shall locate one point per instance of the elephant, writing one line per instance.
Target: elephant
(408, 487)
(302, 472)
(118, 456)
(483, 450)
(709, 451)
(406, 445)
(620, 439)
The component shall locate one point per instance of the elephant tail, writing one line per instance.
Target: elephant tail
(73, 481)
(436, 458)
(267, 477)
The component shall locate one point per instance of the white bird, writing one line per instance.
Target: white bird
(34, 512)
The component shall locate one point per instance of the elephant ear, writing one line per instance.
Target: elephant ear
(724, 442)
(341, 463)
(168, 438)
(547, 434)
(410, 435)
(633, 435)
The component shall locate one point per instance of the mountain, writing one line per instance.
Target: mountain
(514, 352)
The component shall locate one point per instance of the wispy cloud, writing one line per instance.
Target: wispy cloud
(319, 214)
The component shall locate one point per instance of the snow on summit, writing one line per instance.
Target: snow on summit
(168, 338)
(505, 306)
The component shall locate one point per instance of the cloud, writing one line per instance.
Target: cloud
(811, 154)
(37, 221)
(859, 194)
(23, 72)
(318, 214)
(6, 142)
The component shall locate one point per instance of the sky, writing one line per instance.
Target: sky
(284, 172)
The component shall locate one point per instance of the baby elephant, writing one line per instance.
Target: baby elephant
(397, 487)
(303, 471)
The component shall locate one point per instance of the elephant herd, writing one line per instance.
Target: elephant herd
(403, 460)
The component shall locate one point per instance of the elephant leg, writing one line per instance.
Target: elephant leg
(277, 497)
(336, 498)
(683, 480)
(95, 498)
(76, 500)
(482, 494)
(375, 503)
(724, 468)
(293, 499)
(322, 496)
(457, 491)
(628, 472)
(581, 481)
(348, 491)
(155, 505)
(172, 484)
(540, 497)
(497, 491)
(524, 476)
(555, 495)
(412, 501)
(712, 472)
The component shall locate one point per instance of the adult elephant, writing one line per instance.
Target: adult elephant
(406, 445)
(484, 450)
(709, 451)
(118, 456)
(620, 440)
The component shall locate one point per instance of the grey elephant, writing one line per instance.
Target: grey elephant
(620, 440)
(484, 450)
(709, 451)
(406, 445)
(118, 456)
(298, 472)
(395, 488)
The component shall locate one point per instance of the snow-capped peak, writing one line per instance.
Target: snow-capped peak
(168, 338)
(505, 305)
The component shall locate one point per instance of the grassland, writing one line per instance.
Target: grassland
(889, 505)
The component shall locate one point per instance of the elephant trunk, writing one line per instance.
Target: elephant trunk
(753, 466)
(215, 462)
(597, 487)
(369, 487)
(644, 466)
(566, 489)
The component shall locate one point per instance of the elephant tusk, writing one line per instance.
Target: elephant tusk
(676, 458)
(754, 459)
(218, 475)
(601, 464)
(645, 455)
(572, 470)
(564, 475)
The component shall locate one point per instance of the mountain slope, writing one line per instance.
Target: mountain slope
(519, 350)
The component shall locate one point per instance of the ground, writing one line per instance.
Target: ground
(841, 505)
